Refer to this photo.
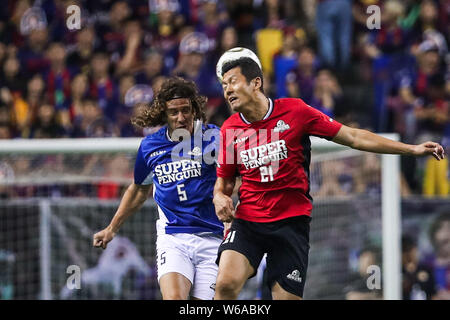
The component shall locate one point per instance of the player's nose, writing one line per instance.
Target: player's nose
(180, 117)
(228, 91)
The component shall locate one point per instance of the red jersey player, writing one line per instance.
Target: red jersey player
(267, 143)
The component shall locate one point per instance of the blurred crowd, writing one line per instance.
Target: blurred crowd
(386, 73)
(424, 272)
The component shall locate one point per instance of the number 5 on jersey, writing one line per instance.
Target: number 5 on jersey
(182, 196)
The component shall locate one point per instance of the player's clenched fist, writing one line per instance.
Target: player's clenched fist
(430, 148)
(224, 207)
(102, 238)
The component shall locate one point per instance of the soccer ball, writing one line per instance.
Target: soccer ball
(235, 54)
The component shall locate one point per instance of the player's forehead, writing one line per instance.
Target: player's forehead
(178, 103)
(234, 73)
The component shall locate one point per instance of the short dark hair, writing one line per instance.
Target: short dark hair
(373, 249)
(408, 243)
(89, 100)
(173, 88)
(100, 53)
(249, 68)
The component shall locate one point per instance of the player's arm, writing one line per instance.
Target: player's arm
(223, 189)
(367, 141)
(132, 200)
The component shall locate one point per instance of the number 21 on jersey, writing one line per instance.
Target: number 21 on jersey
(266, 173)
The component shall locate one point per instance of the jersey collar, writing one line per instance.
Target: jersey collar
(268, 113)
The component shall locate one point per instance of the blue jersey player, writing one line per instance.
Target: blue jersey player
(177, 164)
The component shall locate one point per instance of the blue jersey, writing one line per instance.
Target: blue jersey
(183, 176)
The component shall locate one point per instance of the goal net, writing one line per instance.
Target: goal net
(346, 220)
(55, 194)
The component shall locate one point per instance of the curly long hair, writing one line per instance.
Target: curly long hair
(175, 87)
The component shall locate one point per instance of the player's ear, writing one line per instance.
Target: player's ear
(257, 83)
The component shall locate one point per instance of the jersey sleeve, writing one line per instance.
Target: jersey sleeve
(227, 160)
(143, 174)
(319, 124)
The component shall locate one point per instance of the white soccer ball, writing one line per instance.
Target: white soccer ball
(235, 54)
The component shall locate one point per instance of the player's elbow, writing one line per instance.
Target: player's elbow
(139, 193)
(348, 136)
(364, 140)
(357, 137)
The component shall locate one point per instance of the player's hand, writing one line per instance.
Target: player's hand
(429, 148)
(226, 227)
(224, 207)
(102, 238)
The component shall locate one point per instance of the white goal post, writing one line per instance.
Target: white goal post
(391, 216)
(390, 197)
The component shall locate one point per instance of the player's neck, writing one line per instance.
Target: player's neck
(257, 109)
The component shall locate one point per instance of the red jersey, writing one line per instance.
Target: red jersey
(273, 156)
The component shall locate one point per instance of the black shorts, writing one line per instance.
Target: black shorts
(286, 243)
